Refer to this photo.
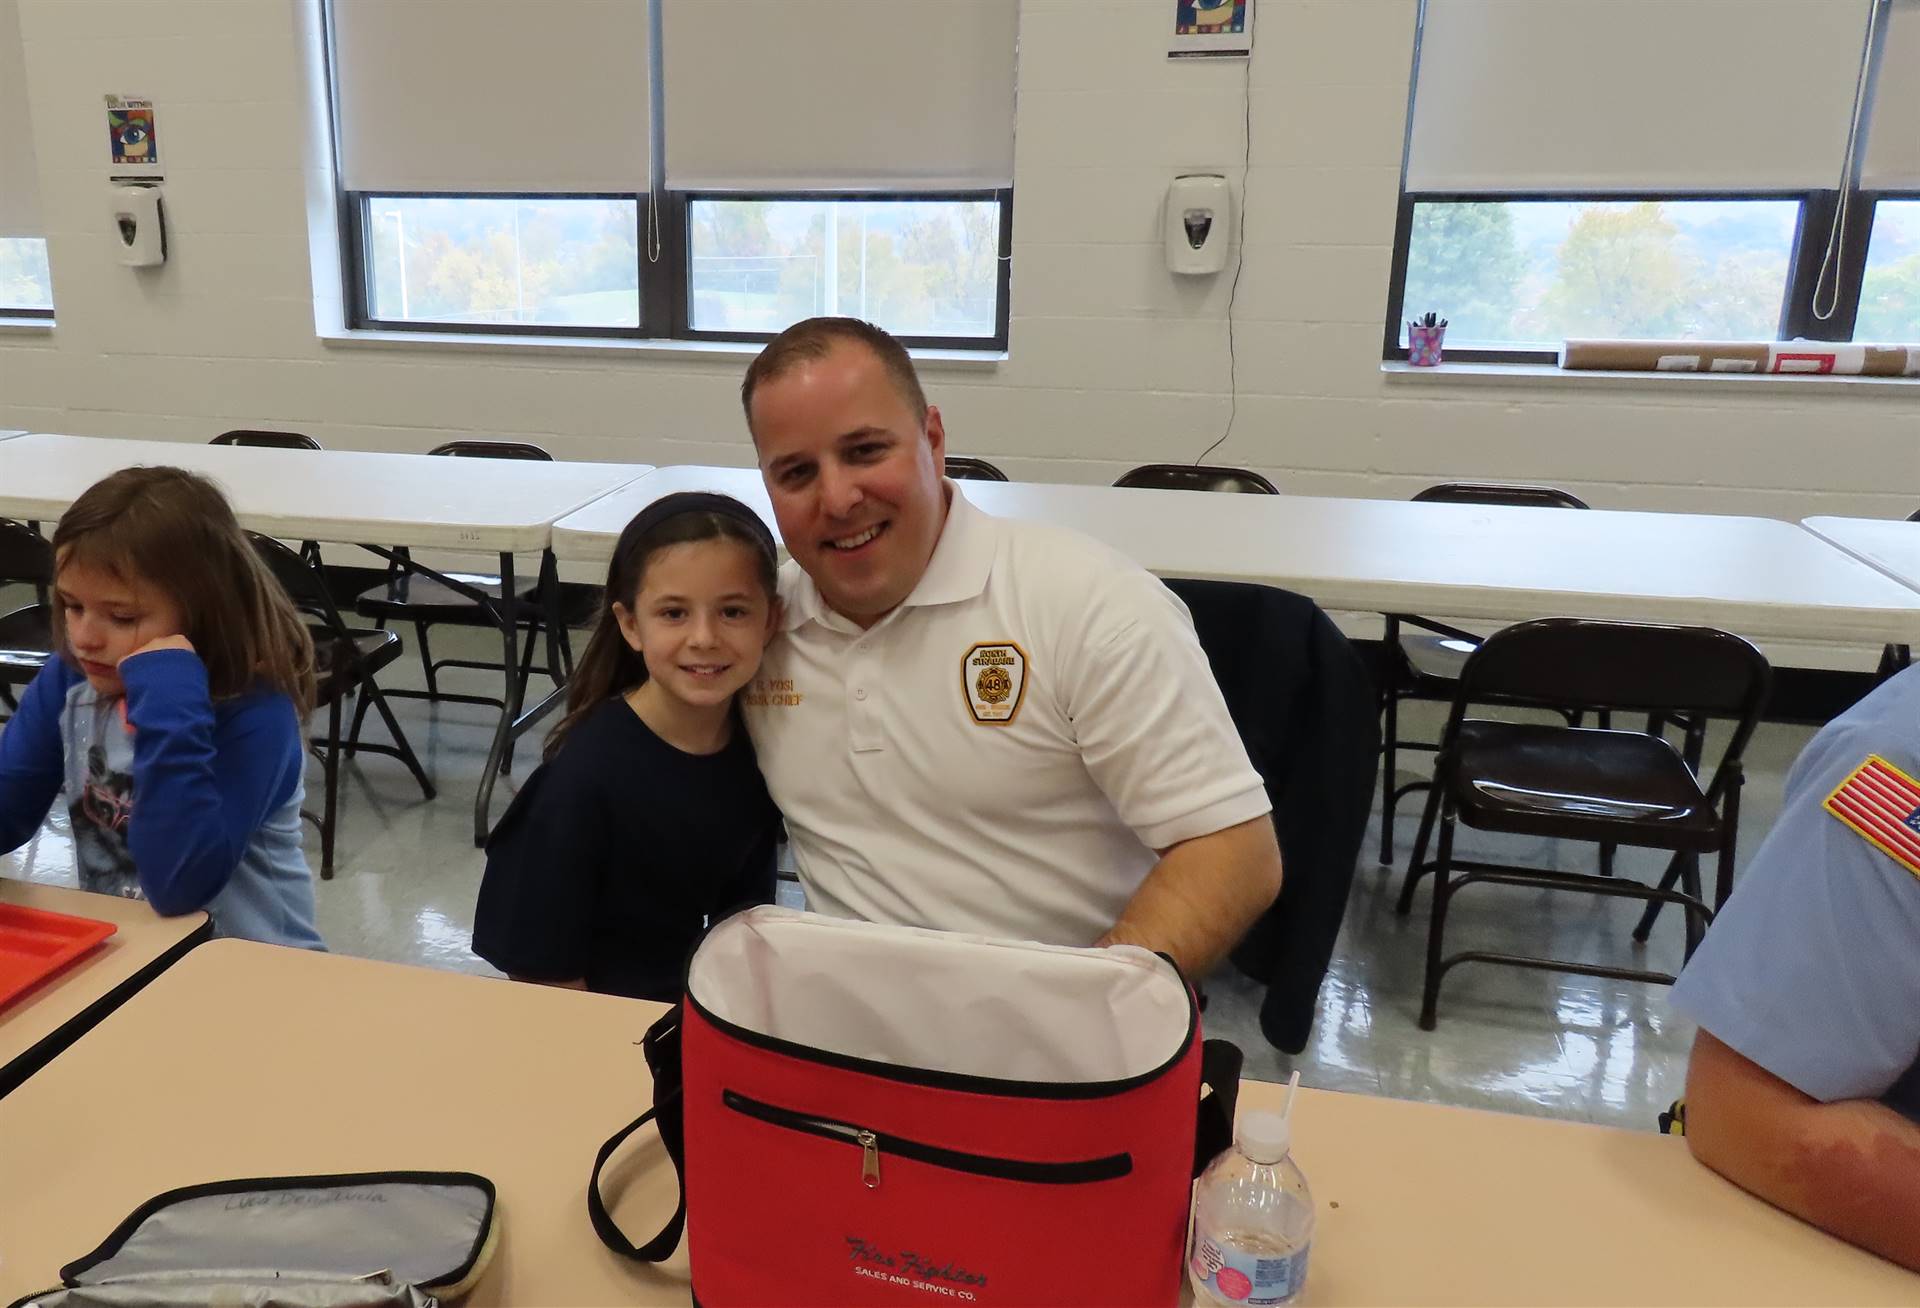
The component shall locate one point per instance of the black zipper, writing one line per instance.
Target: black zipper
(873, 1143)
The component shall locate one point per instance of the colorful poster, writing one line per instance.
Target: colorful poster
(130, 132)
(1211, 28)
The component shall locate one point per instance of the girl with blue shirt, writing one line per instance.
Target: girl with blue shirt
(648, 819)
(171, 716)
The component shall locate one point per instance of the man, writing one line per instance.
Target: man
(1805, 1081)
(973, 723)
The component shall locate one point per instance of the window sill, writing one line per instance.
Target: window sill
(1397, 372)
(736, 351)
(26, 326)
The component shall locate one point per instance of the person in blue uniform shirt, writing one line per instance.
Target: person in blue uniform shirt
(1804, 1084)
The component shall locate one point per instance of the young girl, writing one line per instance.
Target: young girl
(172, 715)
(648, 819)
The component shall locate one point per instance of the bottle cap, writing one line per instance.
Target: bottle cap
(1264, 1137)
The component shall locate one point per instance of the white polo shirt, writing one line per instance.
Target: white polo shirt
(1003, 753)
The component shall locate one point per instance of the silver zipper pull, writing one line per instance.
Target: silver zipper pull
(869, 1160)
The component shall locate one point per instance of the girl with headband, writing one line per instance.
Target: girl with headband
(648, 818)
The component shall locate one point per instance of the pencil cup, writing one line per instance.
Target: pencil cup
(1423, 344)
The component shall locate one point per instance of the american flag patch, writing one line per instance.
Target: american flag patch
(1882, 803)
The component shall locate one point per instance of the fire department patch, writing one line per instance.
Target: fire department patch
(993, 677)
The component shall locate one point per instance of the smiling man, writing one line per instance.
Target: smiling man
(974, 723)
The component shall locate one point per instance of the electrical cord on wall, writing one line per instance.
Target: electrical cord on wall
(1239, 263)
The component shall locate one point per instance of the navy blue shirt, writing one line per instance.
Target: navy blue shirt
(616, 855)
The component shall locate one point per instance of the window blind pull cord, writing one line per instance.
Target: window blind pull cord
(1836, 253)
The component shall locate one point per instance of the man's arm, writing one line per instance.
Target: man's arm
(1203, 895)
(1851, 1167)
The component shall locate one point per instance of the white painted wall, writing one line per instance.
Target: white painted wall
(1114, 361)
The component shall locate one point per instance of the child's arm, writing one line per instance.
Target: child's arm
(540, 896)
(199, 793)
(32, 756)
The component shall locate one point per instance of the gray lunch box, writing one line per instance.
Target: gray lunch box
(353, 1240)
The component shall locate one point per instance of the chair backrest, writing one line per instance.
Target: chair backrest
(965, 469)
(1198, 477)
(1627, 666)
(471, 449)
(1480, 492)
(1914, 516)
(25, 556)
(272, 440)
(300, 580)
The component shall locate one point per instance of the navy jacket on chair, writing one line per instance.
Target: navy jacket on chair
(1302, 699)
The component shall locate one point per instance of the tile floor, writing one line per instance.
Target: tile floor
(1515, 1041)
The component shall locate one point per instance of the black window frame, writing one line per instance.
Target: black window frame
(1811, 234)
(357, 272)
(677, 225)
(665, 289)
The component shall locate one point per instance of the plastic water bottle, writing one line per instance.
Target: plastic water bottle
(1252, 1217)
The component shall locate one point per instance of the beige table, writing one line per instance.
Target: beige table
(48, 1018)
(260, 1061)
(1762, 578)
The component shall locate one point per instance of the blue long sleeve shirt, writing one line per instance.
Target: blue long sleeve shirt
(173, 798)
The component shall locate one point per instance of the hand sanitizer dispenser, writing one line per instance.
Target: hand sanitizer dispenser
(1199, 212)
(139, 227)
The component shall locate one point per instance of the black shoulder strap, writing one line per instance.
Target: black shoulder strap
(662, 1049)
(1220, 1062)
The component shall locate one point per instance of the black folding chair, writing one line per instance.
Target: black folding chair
(345, 661)
(1424, 663)
(1197, 476)
(965, 469)
(407, 596)
(1576, 783)
(269, 440)
(26, 634)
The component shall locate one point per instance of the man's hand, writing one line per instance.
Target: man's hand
(160, 642)
(1203, 895)
(1851, 1167)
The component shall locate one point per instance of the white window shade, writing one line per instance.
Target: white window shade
(1634, 95)
(490, 96)
(905, 95)
(19, 179)
(1893, 134)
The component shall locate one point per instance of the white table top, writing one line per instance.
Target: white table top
(329, 495)
(9, 435)
(1762, 578)
(1891, 546)
(1417, 1203)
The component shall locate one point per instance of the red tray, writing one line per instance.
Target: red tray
(34, 944)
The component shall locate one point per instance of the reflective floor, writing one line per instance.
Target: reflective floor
(1516, 1041)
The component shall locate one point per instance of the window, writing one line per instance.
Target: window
(496, 260)
(1890, 289)
(919, 268)
(1566, 177)
(724, 194)
(25, 283)
(26, 288)
(1525, 275)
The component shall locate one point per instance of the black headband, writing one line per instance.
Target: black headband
(672, 506)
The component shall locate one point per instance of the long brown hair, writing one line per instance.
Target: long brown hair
(609, 666)
(173, 529)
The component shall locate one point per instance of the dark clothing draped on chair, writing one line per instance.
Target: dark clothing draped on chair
(1303, 702)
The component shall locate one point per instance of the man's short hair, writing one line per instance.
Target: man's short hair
(812, 339)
